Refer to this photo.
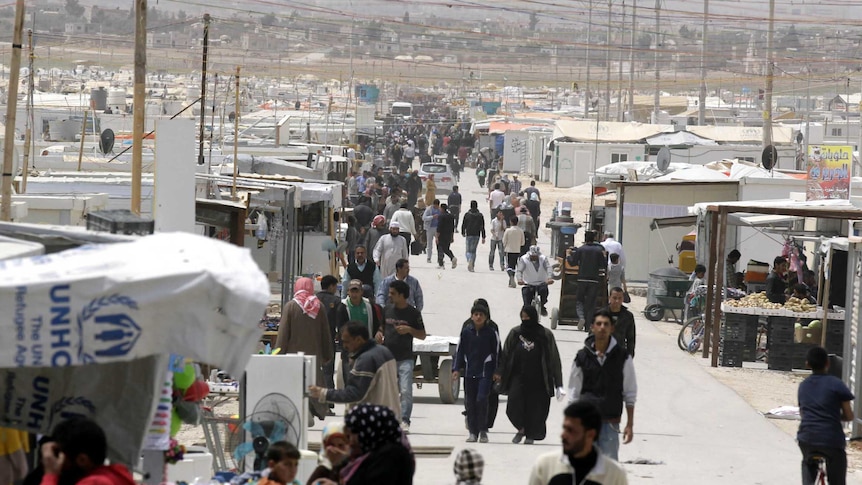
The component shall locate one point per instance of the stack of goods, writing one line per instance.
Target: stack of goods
(271, 319)
(756, 272)
(782, 349)
(752, 301)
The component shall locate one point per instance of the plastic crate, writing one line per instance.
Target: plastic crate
(779, 363)
(734, 333)
(119, 222)
(731, 361)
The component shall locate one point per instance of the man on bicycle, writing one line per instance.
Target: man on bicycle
(534, 274)
(824, 402)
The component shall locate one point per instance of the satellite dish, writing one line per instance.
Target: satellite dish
(106, 141)
(662, 160)
(769, 157)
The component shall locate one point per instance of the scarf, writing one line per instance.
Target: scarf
(531, 329)
(375, 426)
(468, 467)
(303, 294)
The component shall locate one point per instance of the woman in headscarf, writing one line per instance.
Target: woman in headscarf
(304, 328)
(468, 467)
(530, 351)
(335, 449)
(384, 456)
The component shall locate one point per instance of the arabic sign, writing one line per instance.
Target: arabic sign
(829, 172)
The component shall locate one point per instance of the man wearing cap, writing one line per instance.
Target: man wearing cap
(361, 269)
(389, 249)
(358, 309)
(534, 274)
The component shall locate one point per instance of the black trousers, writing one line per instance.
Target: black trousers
(443, 244)
(476, 392)
(836, 464)
(408, 237)
(528, 291)
(586, 296)
(512, 262)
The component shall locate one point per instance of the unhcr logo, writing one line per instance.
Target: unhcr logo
(106, 331)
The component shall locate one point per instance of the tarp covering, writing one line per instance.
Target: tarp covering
(680, 138)
(608, 131)
(500, 127)
(167, 293)
(121, 397)
(743, 134)
(694, 173)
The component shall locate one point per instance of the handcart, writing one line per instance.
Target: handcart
(430, 351)
(567, 312)
(672, 302)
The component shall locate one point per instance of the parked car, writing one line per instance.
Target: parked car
(443, 176)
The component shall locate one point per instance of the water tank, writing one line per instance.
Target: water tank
(98, 99)
(117, 100)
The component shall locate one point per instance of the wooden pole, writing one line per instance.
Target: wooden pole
(710, 282)
(770, 76)
(719, 284)
(28, 135)
(235, 136)
(83, 135)
(11, 107)
(140, 94)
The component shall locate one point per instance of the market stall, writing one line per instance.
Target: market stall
(716, 217)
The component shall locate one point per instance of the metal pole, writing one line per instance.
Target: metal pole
(206, 43)
(11, 107)
(656, 100)
(140, 94)
(235, 136)
(770, 74)
(28, 135)
(632, 61)
(701, 112)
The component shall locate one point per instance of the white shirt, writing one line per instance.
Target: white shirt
(498, 227)
(612, 246)
(527, 272)
(496, 198)
(405, 220)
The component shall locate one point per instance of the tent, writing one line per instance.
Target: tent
(606, 131)
(89, 331)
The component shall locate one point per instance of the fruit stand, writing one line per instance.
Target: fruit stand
(791, 330)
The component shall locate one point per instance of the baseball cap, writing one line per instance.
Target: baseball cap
(354, 284)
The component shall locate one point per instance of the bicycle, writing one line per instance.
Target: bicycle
(691, 334)
(537, 300)
(821, 476)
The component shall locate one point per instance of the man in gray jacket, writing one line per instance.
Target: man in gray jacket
(373, 378)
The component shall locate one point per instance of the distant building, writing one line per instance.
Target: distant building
(168, 40)
(75, 27)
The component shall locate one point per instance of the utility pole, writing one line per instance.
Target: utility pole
(807, 121)
(589, 42)
(608, 66)
(770, 74)
(632, 61)
(701, 112)
(656, 99)
(28, 135)
(206, 44)
(11, 106)
(236, 136)
(139, 101)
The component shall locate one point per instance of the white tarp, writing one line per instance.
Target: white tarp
(746, 134)
(121, 397)
(167, 293)
(608, 131)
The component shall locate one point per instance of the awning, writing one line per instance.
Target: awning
(684, 221)
(680, 138)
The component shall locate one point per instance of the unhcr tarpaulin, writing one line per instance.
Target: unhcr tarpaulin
(608, 131)
(168, 293)
(87, 332)
(121, 397)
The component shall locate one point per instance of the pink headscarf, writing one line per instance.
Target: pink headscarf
(303, 293)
